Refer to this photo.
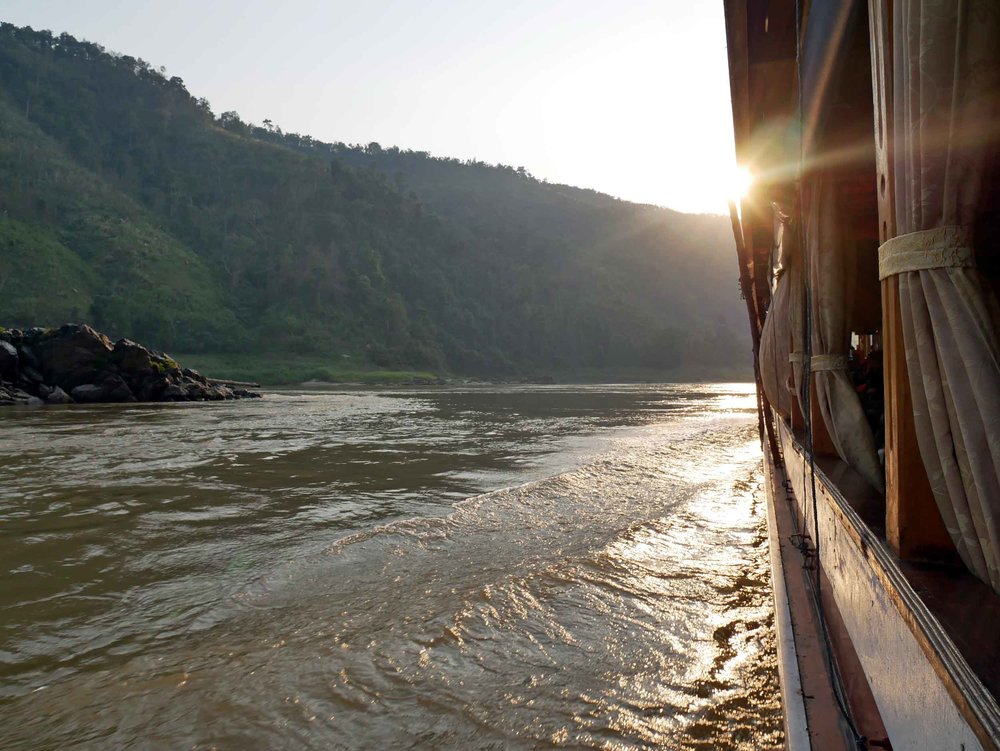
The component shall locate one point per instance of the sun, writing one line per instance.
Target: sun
(739, 183)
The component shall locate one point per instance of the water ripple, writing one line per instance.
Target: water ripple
(303, 573)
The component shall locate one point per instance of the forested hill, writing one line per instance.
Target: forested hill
(126, 203)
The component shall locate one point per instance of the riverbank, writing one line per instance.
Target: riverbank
(294, 370)
(281, 369)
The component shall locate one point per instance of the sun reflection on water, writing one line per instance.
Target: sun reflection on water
(733, 397)
(668, 565)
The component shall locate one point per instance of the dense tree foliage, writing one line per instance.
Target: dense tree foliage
(125, 202)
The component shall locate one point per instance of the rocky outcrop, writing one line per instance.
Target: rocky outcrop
(74, 363)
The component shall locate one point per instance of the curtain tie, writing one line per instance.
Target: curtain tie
(795, 357)
(940, 248)
(827, 362)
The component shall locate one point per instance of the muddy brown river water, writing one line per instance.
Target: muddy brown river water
(467, 568)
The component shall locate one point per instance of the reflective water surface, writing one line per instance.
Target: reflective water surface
(479, 568)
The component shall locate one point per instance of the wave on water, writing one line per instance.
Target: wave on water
(624, 604)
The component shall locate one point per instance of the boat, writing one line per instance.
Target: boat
(868, 258)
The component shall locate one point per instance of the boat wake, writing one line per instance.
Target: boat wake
(624, 604)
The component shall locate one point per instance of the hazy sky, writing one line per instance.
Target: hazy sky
(630, 97)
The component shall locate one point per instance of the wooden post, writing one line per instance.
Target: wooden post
(913, 523)
(798, 420)
(822, 444)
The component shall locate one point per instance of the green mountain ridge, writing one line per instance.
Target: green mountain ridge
(125, 203)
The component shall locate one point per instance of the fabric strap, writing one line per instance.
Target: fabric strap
(827, 362)
(939, 248)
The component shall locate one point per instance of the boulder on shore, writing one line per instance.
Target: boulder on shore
(58, 396)
(75, 363)
(9, 360)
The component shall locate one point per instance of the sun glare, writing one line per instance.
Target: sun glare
(740, 182)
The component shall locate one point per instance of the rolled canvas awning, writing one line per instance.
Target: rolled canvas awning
(776, 336)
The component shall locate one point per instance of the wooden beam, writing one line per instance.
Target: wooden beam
(736, 42)
(797, 420)
(822, 444)
(914, 527)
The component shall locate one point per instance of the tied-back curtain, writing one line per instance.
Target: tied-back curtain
(796, 312)
(775, 338)
(945, 71)
(839, 404)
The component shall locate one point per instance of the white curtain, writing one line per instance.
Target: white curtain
(775, 370)
(946, 72)
(831, 268)
(796, 312)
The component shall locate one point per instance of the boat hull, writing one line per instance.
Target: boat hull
(926, 695)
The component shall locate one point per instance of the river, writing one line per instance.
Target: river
(468, 568)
